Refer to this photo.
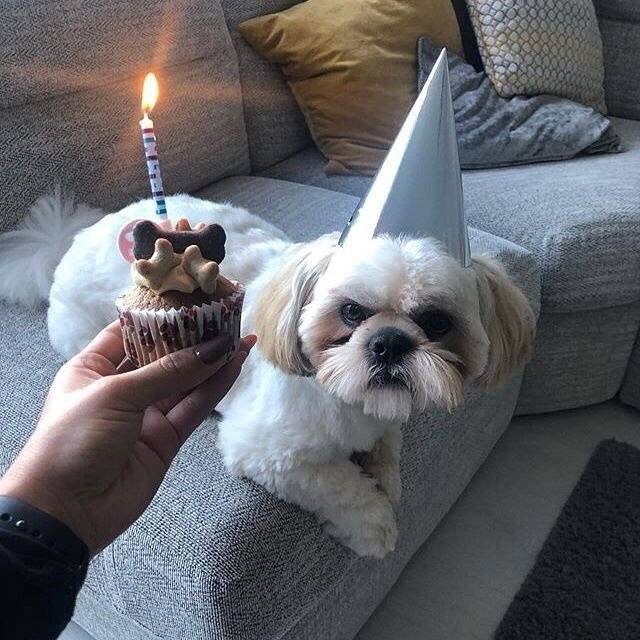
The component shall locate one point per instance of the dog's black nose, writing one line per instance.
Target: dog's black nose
(389, 344)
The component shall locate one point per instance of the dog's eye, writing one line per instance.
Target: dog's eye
(352, 314)
(435, 324)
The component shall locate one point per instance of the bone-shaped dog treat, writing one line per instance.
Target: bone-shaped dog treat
(155, 269)
(210, 240)
(224, 286)
(184, 225)
(203, 271)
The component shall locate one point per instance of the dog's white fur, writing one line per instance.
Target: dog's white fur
(310, 396)
(30, 253)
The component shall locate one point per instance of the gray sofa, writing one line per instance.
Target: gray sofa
(217, 557)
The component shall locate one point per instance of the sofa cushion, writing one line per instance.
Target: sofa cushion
(630, 392)
(275, 125)
(580, 218)
(307, 167)
(70, 84)
(620, 29)
(580, 358)
(28, 367)
(501, 132)
(302, 211)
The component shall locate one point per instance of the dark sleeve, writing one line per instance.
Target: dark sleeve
(39, 579)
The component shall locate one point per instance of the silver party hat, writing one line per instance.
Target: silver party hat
(418, 189)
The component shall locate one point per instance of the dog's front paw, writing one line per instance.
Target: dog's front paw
(385, 468)
(370, 530)
(389, 482)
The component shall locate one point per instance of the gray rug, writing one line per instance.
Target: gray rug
(585, 584)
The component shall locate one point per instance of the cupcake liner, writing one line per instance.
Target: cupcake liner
(149, 334)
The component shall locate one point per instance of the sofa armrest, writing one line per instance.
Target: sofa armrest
(519, 262)
(619, 22)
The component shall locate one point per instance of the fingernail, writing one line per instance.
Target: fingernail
(213, 350)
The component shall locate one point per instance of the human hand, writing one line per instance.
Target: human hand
(106, 437)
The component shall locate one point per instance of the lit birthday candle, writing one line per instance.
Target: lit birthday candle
(149, 97)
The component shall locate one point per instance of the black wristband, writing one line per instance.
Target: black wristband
(19, 516)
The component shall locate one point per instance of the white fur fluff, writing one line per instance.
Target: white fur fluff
(92, 274)
(305, 400)
(30, 254)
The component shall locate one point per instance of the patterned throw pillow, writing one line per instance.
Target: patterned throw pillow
(541, 46)
(500, 132)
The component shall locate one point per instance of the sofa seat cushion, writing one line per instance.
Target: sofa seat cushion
(580, 218)
(28, 367)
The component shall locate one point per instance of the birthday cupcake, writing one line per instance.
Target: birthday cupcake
(179, 297)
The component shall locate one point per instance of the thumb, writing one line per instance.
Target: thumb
(174, 373)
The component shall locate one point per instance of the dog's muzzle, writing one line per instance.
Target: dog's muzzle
(387, 347)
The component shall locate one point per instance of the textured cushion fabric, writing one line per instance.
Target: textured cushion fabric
(630, 392)
(28, 367)
(307, 167)
(620, 30)
(302, 211)
(580, 358)
(541, 46)
(52, 49)
(621, 10)
(495, 132)
(70, 88)
(275, 125)
(351, 67)
(218, 557)
(581, 218)
(578, 217)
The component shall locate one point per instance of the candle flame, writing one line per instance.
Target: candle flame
(149, 92)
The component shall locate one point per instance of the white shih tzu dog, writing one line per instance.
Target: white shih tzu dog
(349, 345)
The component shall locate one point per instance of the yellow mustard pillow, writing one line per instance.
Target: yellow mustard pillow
(351, 65)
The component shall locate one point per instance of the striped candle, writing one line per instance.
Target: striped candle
(149, 97)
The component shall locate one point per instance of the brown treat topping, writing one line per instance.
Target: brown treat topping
(209, 239)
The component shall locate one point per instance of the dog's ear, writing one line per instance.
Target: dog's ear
(508, 320)
(278, 309)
